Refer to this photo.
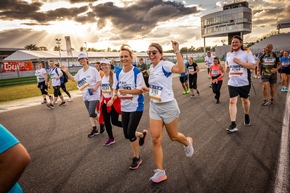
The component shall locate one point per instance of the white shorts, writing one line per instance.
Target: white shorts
(167, 111)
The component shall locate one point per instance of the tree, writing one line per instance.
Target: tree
(31, 47)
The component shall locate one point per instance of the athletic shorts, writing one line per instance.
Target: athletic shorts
(271, 79)
(242, 91)
(285, 70)
(183, 79)
(167, 112)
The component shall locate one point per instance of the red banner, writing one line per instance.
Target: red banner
(14, 66)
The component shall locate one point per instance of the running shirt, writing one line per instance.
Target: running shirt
(209, 60)
(39, 73)
(215, 71)
(7, 141)
(87, 80)
(285, 63)
(191, 68)
(126, 80)
(268, 61)
(53, 74)
(160, 81)
(238, 75)
(105, 87)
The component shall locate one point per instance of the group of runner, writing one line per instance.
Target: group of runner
(122, 93)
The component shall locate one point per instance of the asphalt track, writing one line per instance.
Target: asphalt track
(65, 160)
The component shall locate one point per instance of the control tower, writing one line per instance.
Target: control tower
(234, 19)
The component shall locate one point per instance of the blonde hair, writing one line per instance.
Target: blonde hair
(126, 47)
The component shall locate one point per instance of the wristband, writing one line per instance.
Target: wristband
(176, 52)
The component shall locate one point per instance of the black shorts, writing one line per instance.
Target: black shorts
(242, 91)
(285, 70)
(271, 79)
(183, 79)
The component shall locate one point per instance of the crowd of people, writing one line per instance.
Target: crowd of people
(109, 92)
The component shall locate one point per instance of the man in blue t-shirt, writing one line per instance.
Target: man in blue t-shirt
(13, 160)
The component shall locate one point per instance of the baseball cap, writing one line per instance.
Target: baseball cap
(82, 55)
(105, 61)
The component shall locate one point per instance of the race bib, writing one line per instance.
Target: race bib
(126, 96)
(236, 70)
(106, 89)
(155, 93)
(190, 69)
(83, 84)
(215, 72)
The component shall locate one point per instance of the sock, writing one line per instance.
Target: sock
(233, 123)
(94, 128)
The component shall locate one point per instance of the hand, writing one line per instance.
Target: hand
(110, 103)
(236, 60)
(175, 45)
(122, 91)
(145, 89)
(274, 70)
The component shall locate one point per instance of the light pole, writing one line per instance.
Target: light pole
(58, 45)
(87, 49)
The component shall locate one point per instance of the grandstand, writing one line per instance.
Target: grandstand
(280, 42)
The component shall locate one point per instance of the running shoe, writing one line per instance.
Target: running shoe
(217, 101)
(44, 102)
(192, 96)
(62, 103)
(50, 98)
(159, 176)
(283, 89)
(189, 149)
(93, 133)
(187, 91)
(197, 92)
(109, 141)
(136, 162)
(265, 103)
(50, 105)
(247, 120)
(232, 128)
(70, 99)
(272, 101)
(143, 139)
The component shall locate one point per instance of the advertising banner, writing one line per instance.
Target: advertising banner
(15, 66)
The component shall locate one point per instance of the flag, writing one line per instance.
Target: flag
(68, 45)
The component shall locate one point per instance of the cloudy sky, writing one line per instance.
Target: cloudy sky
(109, 23)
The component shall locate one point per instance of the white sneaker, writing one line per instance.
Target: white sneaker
(70, 100)
(189, 149)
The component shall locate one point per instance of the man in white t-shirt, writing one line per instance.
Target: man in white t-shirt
(208, 62)
(239, 62)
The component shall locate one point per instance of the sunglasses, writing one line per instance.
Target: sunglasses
(152, 52)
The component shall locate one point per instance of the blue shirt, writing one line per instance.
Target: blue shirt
(7, 140)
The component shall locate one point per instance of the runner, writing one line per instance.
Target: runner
(14, 158)
(270, 64)
(109, 106)
(183, 78)
(89, 81)
(193, 69)
(239, 63)
(164, 110)
(285, 71)
(216, 73)
(63, 86)
(128, 83)
(41, 76)
(55, 74)
(208, 61)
